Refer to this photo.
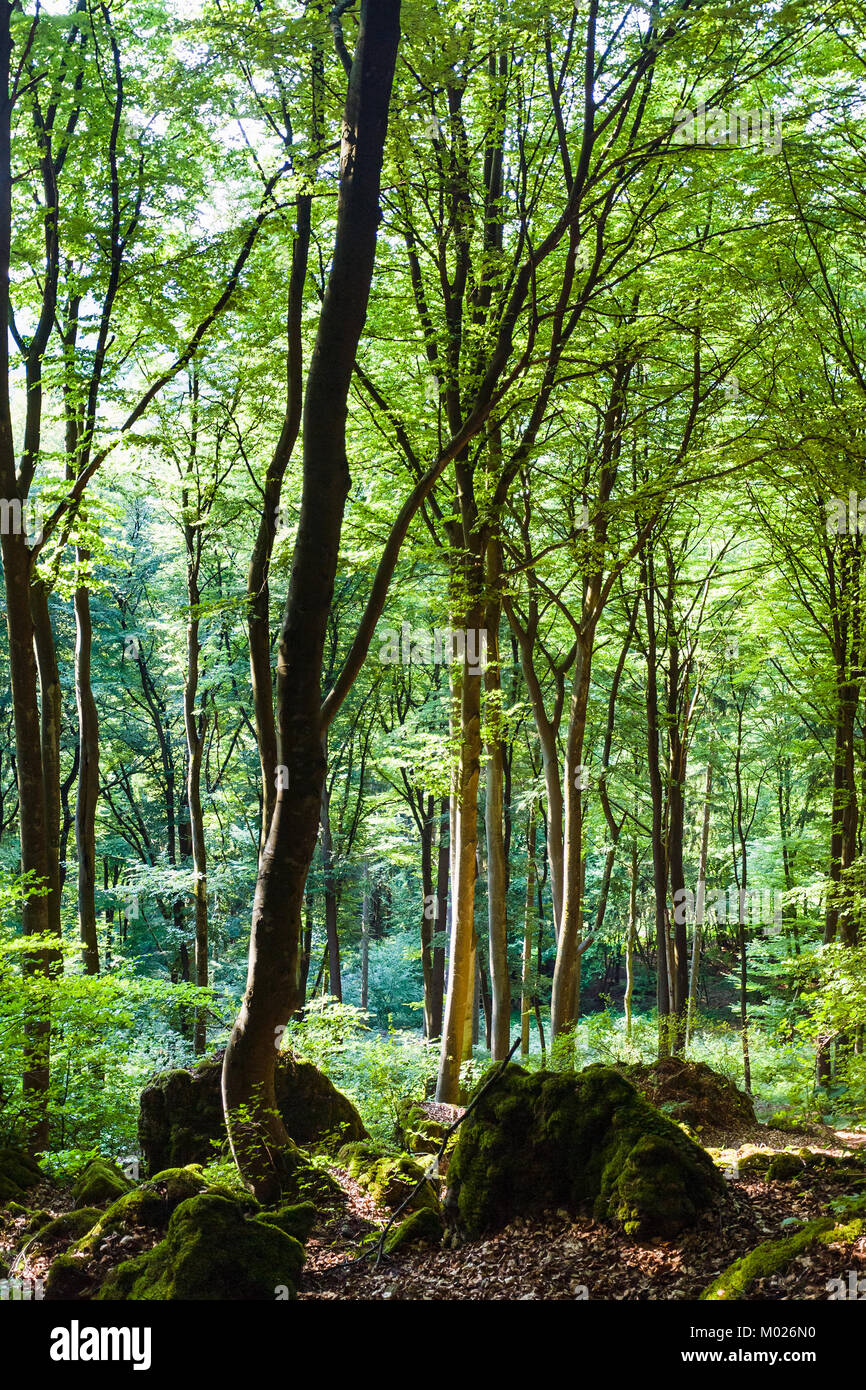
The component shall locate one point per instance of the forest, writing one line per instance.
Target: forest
(432, 762)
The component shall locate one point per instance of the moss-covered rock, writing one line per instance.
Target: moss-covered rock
(297, 1220)
(211, 1252)
(417, 1131)
(18, 1173)
(181, 1114)
(72, 1226)
(423, 1226)
(691, 1093)
(39, 1218)
(101, 1181)
(150, 1205)
(389, 1178)
(68, 1278)
(775, 1255)
(543, 1140)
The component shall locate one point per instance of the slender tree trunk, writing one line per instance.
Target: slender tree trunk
(460, 964)
(428, 911)
(526, 992)
(497, 865)
(259, 1140)
(700, 906)
(437, 994)
(365, 943)
(335, 981)
(630, 939)
(88, 777)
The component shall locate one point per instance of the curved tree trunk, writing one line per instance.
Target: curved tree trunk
(258, 1137)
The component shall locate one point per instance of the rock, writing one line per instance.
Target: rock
(423, 1226)
(693, 1094)
(101, 1181)
(389, 1178)
(150, 1205)
(70, 1227)
(37, 1220)
(297, 1220)
(181, 1117)
(416, 1131)
(211, 1251)
(775, 1255)
(543, 1140)
(18, 1173)
(68, 1279)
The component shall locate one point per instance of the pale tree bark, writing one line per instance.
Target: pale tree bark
(700, 906)
(497, 866)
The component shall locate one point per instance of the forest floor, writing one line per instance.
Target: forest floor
(557, 1257)
(563, 1257)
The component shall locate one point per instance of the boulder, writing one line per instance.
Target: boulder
(538, 1141)
(693, 1094)
(424, 1226)
(389, 1178)
(181, 1117)
(18, 1173)
(100, 1181)
(211, 1251)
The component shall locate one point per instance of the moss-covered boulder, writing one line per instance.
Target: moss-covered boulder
(389, 1178)
(416, 1130)
(543, 1140)
(774, 1256)
(425, 1226)
(693, 1094)
(150, 1205)
(72, 1226)
(100, 1181)
(211, 1251)
(18, 1173)
(180, 1117)
(297, 1220)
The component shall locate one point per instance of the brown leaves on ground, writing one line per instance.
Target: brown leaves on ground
(567, 1257)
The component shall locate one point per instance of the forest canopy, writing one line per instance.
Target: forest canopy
(431, 457)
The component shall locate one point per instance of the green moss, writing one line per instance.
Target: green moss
(785, 1166)
(416, 1131)
(71, 1226)
(297, 1220)
(210, 1252)
(68, 1278)
(775, 1255)
(181, 1112)
(149, 1205)
(101, 1181)
(18, 1173)
(550, 1139)
(422, 1225)
(38, 1219)
(389, 1178)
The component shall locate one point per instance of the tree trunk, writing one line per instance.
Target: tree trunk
(526, 992)
(461, 956)
(335, 982)
(88, 778)
(259, 1140)
(497, 864)
(700, 906)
